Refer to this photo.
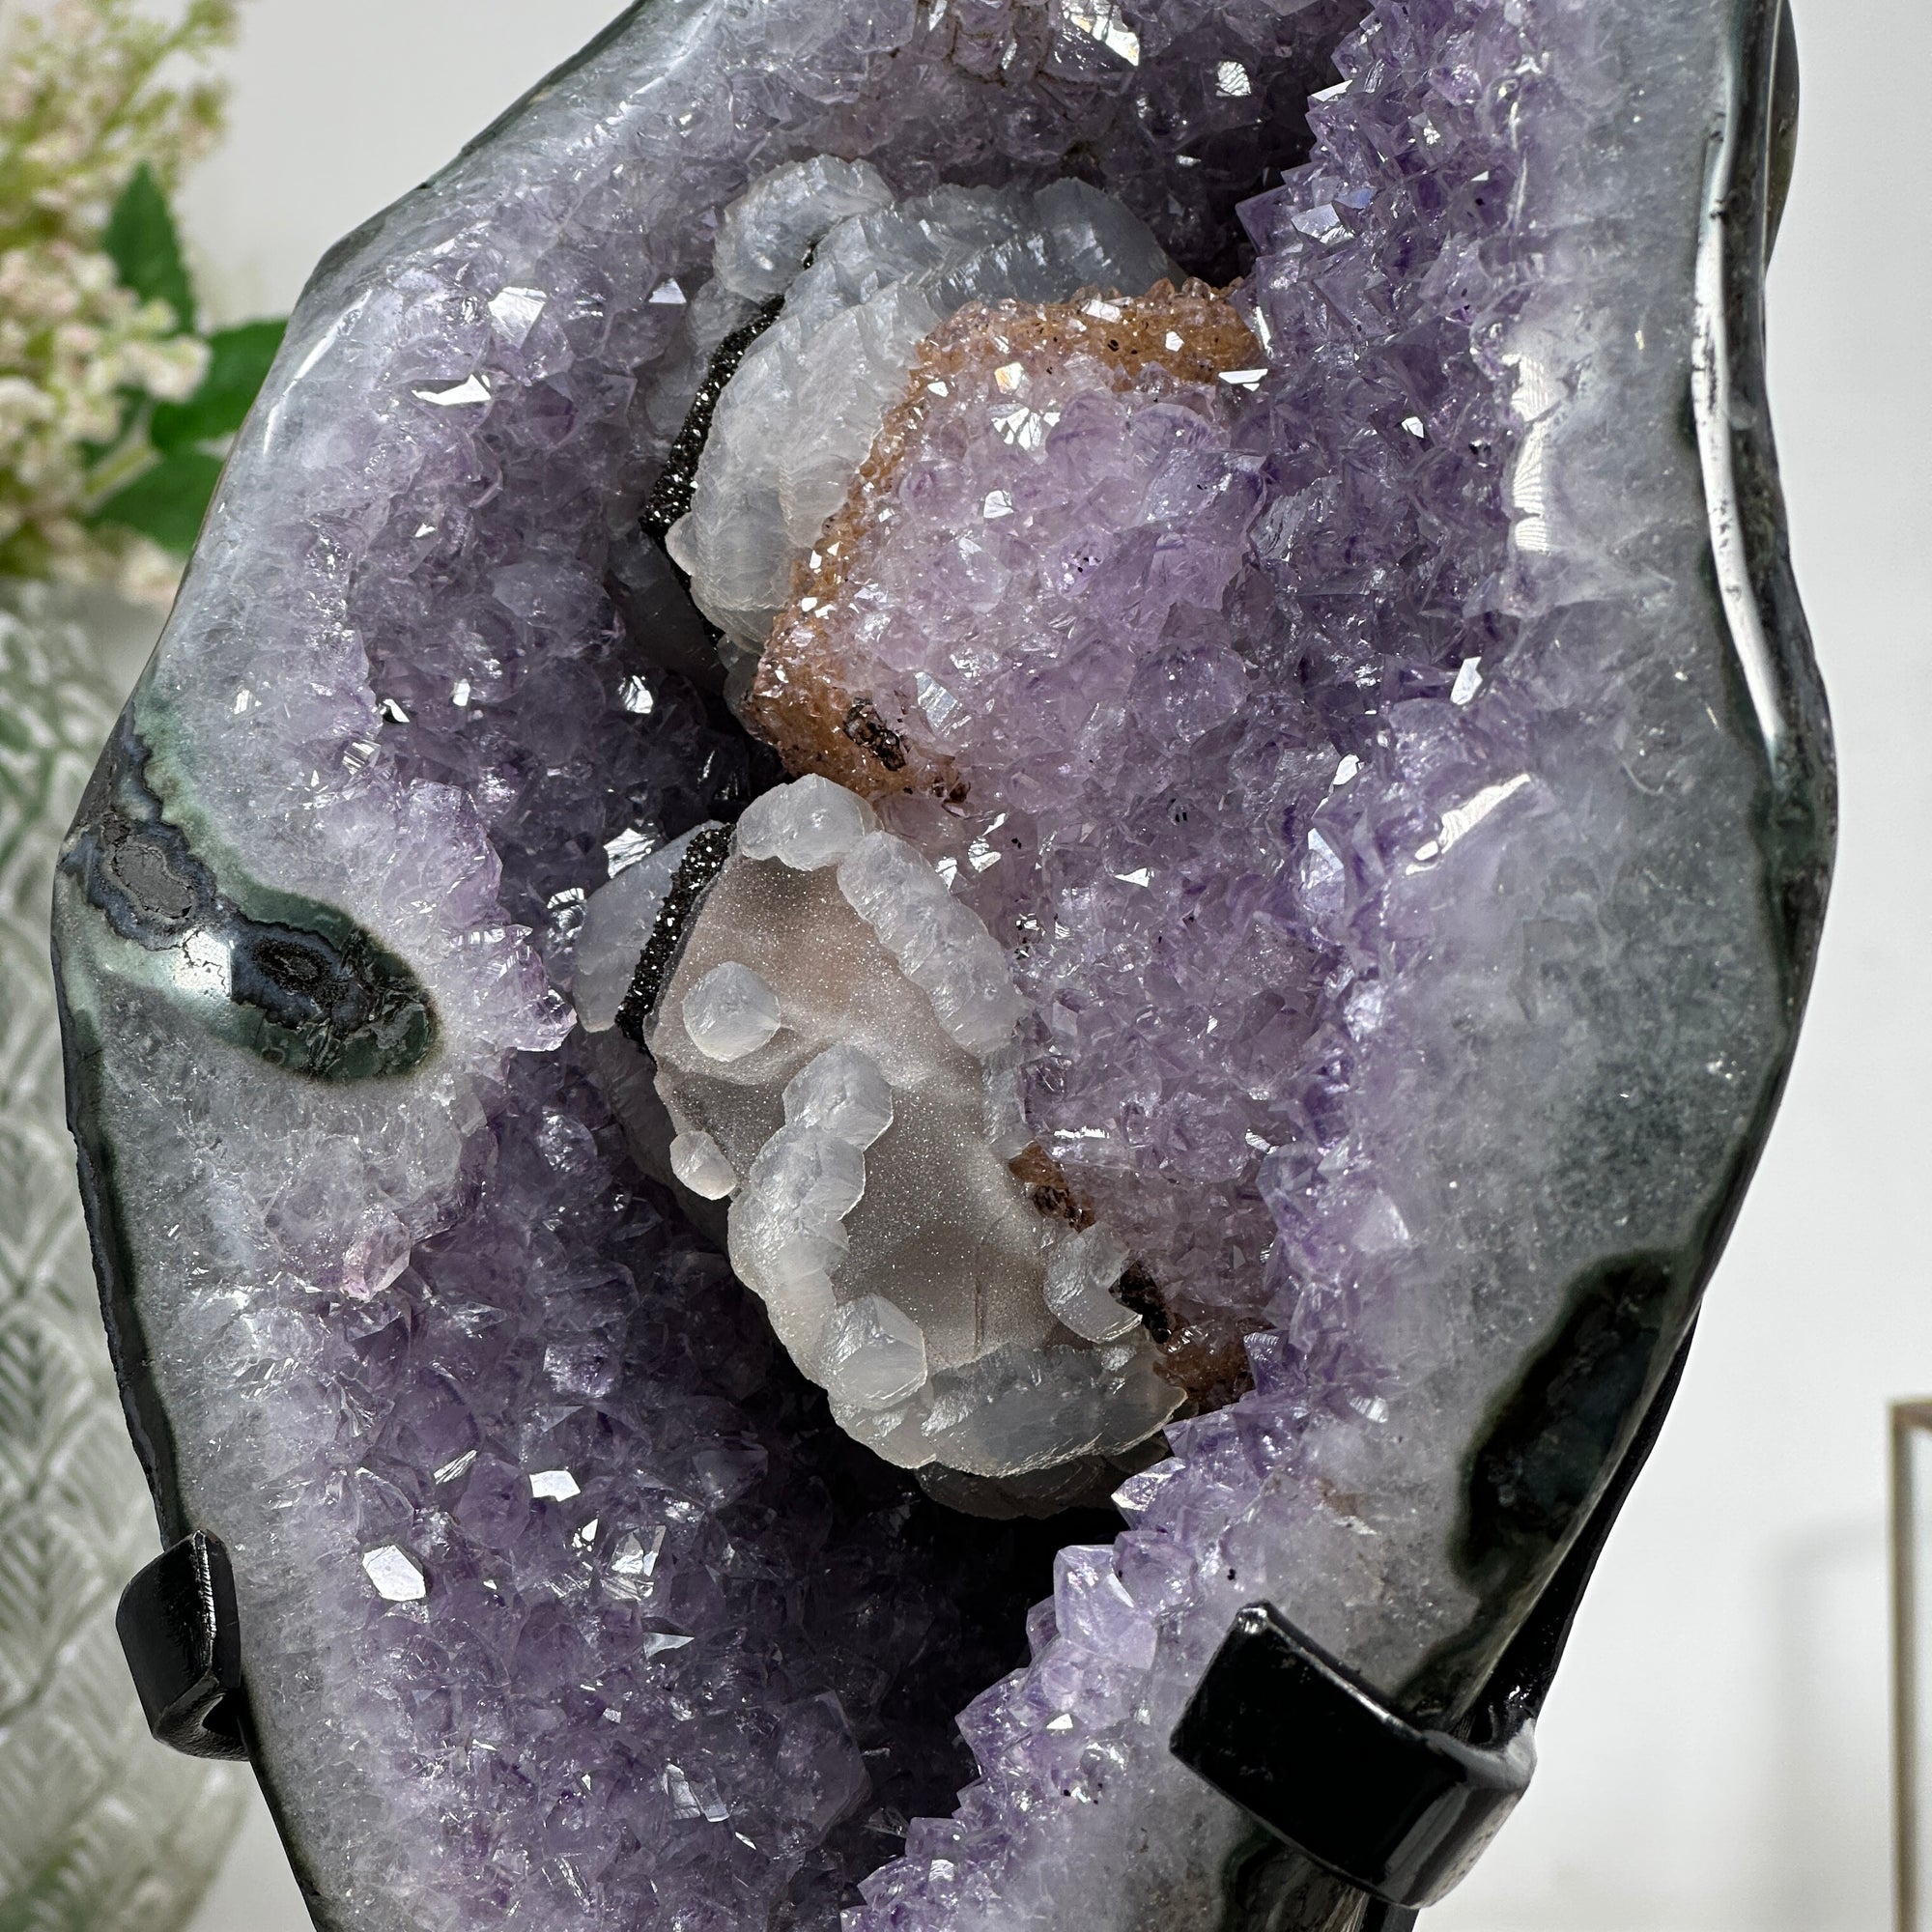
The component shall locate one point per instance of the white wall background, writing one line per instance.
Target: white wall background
(1714, 1753)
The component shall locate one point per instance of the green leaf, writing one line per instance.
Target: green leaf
(237, 364)
(168, 501)
(142, 239)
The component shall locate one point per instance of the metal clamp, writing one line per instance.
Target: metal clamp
(1398, 1810)
(177, 1626)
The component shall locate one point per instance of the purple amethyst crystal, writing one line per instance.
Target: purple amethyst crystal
(650, 1259)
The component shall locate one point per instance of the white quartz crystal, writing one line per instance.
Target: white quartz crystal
(940, 944)
(875, 1353)
(699, 1163)
(797, 419)
(808, 1175)
(765, 235)
(1080, 1276)
(776, 1244)
(808, 824)
(790, 1269)
(730, 1013)
(843, 1093)
(396, 1578)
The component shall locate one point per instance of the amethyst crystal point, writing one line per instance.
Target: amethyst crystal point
(1222, 917)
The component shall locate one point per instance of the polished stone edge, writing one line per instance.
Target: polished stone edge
(1754, 144)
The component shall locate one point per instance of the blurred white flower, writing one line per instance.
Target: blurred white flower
(84, 106)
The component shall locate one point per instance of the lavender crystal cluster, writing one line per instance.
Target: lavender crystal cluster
(563, 1600)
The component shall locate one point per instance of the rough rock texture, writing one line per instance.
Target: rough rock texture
(561, 1598)
(100, 1828)
(1517, 867)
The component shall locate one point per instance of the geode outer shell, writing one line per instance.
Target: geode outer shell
(561, 1598)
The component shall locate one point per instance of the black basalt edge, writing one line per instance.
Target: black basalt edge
(1801, 808)
(1753, 140)
(1523, 1677)
(300, 973)
(114, 1269)
(180, 1632)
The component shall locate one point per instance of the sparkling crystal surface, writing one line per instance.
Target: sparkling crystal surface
(1404, 895)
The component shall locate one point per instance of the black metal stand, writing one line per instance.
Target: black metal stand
(1397, 1809)
(1324, 1761)
(1381, 1916)
(178, 1626)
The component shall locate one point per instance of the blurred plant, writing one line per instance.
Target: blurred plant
(114, 408)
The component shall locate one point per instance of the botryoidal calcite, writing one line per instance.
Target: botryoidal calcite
(1217, 909)
(100, 1828)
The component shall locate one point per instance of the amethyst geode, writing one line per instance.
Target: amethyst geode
(1247, 644)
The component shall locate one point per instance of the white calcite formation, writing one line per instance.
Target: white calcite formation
(730, 1012)
(803, 408)
(835, 1052)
